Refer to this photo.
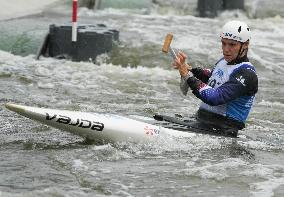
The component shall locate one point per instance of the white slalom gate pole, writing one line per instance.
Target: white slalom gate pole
(74, 21)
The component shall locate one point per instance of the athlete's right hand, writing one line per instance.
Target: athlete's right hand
(181, 61)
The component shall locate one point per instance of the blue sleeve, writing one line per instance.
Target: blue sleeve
(221, 95)
(242, 82)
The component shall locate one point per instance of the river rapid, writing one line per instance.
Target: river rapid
(136, 79)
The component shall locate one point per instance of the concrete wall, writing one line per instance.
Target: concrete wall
(264, 8)
(254, 8)
(181, 6)
(17, 8)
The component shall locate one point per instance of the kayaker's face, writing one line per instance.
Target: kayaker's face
(230, 49)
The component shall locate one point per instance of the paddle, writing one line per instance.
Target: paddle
(167, 45)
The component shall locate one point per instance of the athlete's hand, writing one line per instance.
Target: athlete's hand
(181, 57)
(181, 65)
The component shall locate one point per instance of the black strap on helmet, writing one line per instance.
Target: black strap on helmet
(239, 59)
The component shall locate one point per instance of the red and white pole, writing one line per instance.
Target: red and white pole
(74, 21)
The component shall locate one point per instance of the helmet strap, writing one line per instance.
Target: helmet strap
(241, 51)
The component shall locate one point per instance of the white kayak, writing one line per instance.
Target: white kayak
(95, 126)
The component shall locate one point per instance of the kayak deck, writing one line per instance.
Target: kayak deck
(191, 125)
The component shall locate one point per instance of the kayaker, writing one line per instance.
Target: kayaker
(228, 90)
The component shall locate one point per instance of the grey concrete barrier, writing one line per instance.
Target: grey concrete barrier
(92, 41)
(210, 8)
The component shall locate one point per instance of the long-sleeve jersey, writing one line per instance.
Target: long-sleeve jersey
(227, 90)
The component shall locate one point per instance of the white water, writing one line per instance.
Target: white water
(40, 161)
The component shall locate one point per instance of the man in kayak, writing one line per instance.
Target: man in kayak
(228, 90)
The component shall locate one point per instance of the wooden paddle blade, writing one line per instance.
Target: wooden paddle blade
(167, 43)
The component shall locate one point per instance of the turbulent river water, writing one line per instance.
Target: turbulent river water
(136, 79)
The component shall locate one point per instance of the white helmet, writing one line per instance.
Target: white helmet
(236, 30)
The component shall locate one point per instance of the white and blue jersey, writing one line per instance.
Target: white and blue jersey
(227, 90)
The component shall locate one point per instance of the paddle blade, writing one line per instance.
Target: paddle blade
(167, 43)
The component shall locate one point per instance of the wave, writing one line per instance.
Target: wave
(271, 104)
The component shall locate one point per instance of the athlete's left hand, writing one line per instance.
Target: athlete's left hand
(181, 65)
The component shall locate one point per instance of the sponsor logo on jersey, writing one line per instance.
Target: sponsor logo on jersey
(220, 73)
(241, 80)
